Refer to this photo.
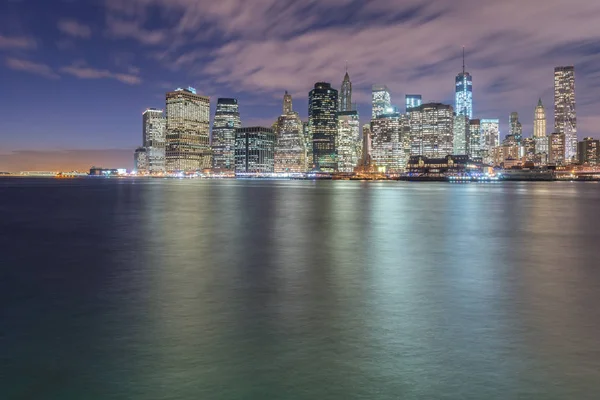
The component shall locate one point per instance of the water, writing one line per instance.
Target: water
(179, 289)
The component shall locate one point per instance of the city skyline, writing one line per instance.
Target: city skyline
(77, 51)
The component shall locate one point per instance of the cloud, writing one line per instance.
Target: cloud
(31, 67)
(82, 71)
(65, 160)
(75, 29)
(17, 42)
(120, 28)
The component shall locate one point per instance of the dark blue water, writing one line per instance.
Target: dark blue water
(169, 289)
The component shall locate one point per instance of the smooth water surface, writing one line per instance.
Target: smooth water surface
(182, 289)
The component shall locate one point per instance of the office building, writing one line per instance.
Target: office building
(589, 151)
(490, 138)
(387, 151)
(346, 94)
(474, 149)
(381, 101)
(141, 160)
(188, 136)
(308, 142)
(154, 139)
(322, 119)
(412, 101)
(565, 118)
(557, 153)
(254, 150)
(367, 138)
(463, 101)
(539, 129)
(227, 120)
(431, 130)
(516, 129)
(348, 143)
(461, 135)
(290, 147)
(528, 146)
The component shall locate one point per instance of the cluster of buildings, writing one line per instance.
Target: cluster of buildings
(179, 139)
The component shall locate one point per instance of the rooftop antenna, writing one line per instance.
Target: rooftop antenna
(463, 60)
(346, 66)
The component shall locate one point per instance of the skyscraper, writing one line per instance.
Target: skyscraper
(516, 129)
(141, 160)
(387, 151)
(188, 142)
(346, 94)
(366, 145)
(227, 120)
(322, 120)
(461, 135)
(348, 144)
(412, 101)
(382, 102)
(557, 142)
(254, 150)
(475, 139)
(565, 118)
(287, 103)
(539, 129)
(490, 138)
(431, 130)
(290, 148)
(589, 151)
(464, 92)
(153, 139)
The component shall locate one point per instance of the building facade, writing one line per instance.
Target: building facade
(557, 143)
(227, 120)
(154, 139)
(387, 151)
(490, 138)
(461, 135)
(412, 101)
(516, 129)
(589, 151)
(565, 118)
(381, 101)
(529, 149)
(432, 130)
(254, 150)
(475, 139)
(188, 133)
(290, 148)
(348, 143)
(322, 120)
(141, 160)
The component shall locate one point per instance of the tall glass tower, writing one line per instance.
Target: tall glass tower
(227, 120)
(154, 139)
(565, 119)
(413, 101)
(463, 103)
(516, 129)
(382, 102)
(346, 94)
(322, 121)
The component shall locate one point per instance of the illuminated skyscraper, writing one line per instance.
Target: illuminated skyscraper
(290, 147)
(382, 102)
(589, 151)
(366, 145)
(432, 130)
(516, 129)
(475, 139)
(141, 160)
(556, 146)
(287, 103)
(308, 142)
(254, 150)
(154, 140)
(529, 149)
(539, 129)
(565, 118)
(461, 135)
(464, 92)
(387, 152)
(490, 138)
(346, 94)
(348, 143)
(322, 120)
(227, 120)
(188, 141)
(412, 101)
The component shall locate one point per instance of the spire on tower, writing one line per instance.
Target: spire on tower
(540, 103)
(463, 60)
